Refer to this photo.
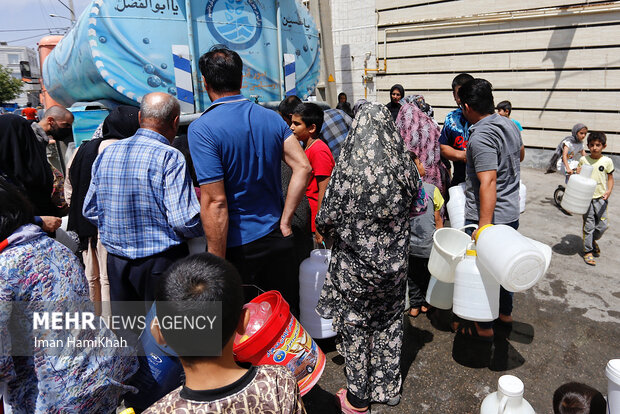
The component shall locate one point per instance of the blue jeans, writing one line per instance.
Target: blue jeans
(505, 297)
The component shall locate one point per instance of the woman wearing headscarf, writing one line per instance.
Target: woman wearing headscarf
(121, 122)
(420, 134)
(23, 162)
(567, 154)
(38, 274)
(397, 92)
(366, 210)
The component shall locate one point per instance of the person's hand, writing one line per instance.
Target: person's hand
(464, 159)
(286, 229)
(606, 195)
(318, 238)
(51, 141)
(578, 170)
(569, 171)
(50, 223)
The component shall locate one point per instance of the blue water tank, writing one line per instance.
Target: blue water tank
(124, 49)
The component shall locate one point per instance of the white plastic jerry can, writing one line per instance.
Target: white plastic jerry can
(579, 191)
(508, 399)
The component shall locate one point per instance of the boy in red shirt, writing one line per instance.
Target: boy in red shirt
(307, 121)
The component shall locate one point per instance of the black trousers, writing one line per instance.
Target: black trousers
(271, 264)
(138, 279)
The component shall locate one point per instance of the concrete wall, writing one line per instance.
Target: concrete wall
(557, 61)
(354, 34)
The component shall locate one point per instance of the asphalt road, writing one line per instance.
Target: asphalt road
(566, 327)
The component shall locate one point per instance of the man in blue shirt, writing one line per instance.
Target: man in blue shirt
(237, 148)
(455, 134)
(142, 200)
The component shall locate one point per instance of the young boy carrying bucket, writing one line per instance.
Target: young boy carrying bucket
(215, 383)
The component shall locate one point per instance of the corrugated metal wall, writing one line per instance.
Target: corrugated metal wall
(558, 62)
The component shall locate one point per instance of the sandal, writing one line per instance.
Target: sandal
(345, 405)
(589, 259)
(469, 330)
(413, 312)
(597, 250)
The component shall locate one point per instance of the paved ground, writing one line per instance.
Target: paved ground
(567, 327)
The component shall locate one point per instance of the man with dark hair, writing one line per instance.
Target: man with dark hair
(494, 153)
(287, 106)
(237, 147)
(455, 134)
(142, 200)
(190, 289)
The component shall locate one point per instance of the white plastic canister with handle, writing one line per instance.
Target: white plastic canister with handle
(456, 206)
(312, 272)
(579, 191)
(476, 295)
(509, 257)
(508, 399)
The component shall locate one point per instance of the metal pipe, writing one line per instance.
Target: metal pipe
(280, 53)
(198, 99)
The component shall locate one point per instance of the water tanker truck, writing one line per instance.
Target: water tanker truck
(120, 50)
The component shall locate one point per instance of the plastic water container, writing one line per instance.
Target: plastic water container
(439, 294)
(508, 399)
(448, 249)
(312, 273)
(259, 314)
(579, 191)
(522, 196)
(613, 386)
(456, 206)
(515, 262)
(476, 296)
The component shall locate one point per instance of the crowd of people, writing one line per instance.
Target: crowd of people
(262, 187)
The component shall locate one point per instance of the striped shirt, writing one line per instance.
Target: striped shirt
(141, 197)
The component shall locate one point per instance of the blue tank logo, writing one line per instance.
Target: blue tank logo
(235, 23)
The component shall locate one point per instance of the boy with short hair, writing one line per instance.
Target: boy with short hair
(307, 121)
(595, 219)
(215, 383)
(504, 108)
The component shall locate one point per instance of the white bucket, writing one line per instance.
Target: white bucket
(476, 295)
(515, 262)
(449, 247)
(439, 294)
(613, 386)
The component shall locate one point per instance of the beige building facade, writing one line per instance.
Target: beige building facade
(558, 62)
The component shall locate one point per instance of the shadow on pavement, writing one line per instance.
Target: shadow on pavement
(498, 355)
(414, 339)
(440, 319)
(317, 400)
(569, 245)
